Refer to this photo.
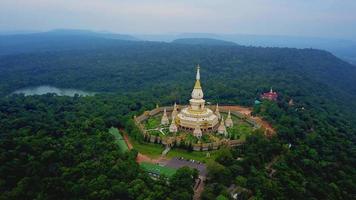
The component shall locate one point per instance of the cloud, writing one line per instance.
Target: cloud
(332, 18)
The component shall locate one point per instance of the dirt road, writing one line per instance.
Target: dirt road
(144, 158)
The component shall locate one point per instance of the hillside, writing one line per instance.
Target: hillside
(344, 49)
(313, 152)
(58, 40)
(243, 72)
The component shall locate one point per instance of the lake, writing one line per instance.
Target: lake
(44, 89)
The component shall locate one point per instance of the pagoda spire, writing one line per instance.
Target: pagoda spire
(173, 127)
(222, 128)
(164, 120)
(197, 92)
(228, 122)
(198, 72)
(197, 84)
(175, 111)
(217, 112)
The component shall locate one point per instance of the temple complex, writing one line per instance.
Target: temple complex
(198, 125)
(271, 95)
(196, 116)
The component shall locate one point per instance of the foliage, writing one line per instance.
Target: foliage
(59, 148)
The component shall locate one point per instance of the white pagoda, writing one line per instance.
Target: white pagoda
(222, 128)
(217, 112)
(228, 121)
(164, 120)
(196, 115)
(173, 127)
(175, 111)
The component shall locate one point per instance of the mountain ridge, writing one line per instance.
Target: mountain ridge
(203, 41)
(345, 49)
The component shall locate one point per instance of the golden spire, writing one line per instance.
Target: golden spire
(197, 82)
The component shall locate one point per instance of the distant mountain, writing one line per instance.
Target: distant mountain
(345, 49)
(65, 39)
(203, 41)
(73, 32)
(58, 40)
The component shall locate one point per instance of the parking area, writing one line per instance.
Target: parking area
(181, 162)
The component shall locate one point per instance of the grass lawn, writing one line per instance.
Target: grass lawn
(155, 151)
(119, 140)
(149, 149)
(153, 122)
(159, 170)
(240, 131)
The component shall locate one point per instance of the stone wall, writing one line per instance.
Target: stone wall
(148, 114)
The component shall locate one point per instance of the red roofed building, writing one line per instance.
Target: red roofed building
(271, 95)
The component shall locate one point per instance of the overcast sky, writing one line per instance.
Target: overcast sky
(321, 18)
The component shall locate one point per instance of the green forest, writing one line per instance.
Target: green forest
(56, 147)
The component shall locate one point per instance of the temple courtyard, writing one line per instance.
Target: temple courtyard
(198, 126)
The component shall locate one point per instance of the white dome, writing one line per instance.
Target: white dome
(197, 93)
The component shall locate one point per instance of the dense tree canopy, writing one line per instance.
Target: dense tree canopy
(58, 147)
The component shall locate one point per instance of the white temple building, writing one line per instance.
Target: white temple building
(173, 127)
(222, 128)
(175, 111)
(164, 120)
(217, 112)
(197, 131)
(196, 113)
(228, 121)
(196, 118)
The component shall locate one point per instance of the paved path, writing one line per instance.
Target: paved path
(166, 150)
(199, 190)
(270, 165)
(201, 167)
(157, 129)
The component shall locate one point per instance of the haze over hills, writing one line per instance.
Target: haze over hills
(345, 49)
(56, 40)
(203, 41)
